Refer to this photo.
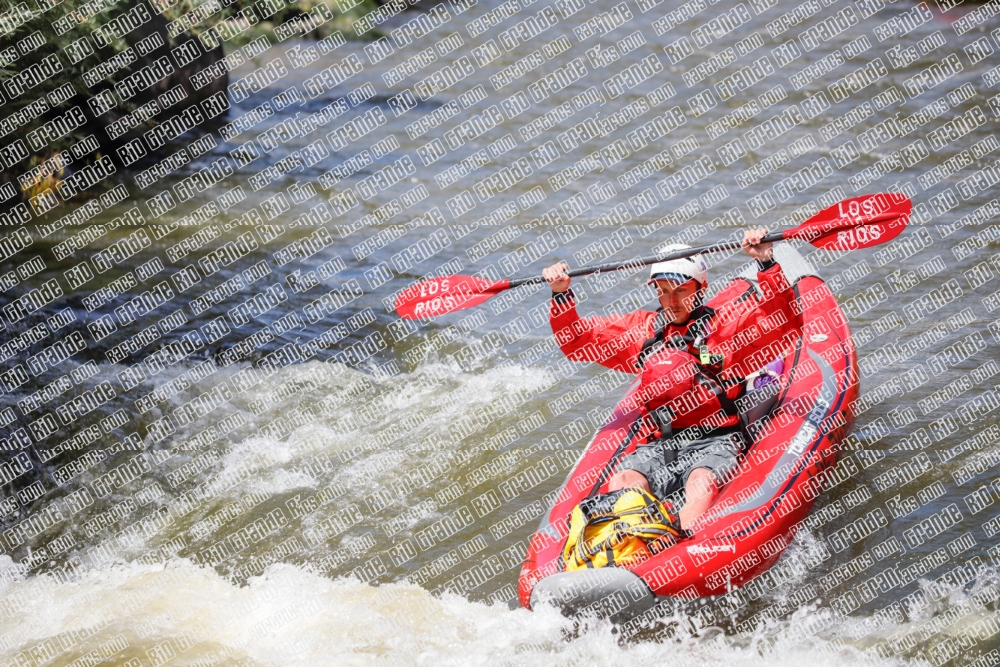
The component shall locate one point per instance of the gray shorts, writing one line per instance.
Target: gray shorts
(717, 453)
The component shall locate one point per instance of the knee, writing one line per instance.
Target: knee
(702, 482)
(624, 479)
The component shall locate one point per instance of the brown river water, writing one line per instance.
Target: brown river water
(310, 499)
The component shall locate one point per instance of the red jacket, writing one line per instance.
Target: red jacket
(747, 330)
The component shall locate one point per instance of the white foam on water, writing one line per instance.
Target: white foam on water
(438, 393)
(249, 466)
(291, 616)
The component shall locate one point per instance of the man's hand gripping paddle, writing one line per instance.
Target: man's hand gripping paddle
(859, 222)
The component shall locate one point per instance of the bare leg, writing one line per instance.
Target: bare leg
(624, 479)
(702, 489)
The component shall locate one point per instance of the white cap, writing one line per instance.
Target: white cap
(679, 270)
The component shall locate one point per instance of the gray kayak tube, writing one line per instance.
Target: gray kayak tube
(612, 593)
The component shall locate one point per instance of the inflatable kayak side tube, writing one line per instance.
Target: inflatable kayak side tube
(610, 592)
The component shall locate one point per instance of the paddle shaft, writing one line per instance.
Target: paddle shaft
(829, 229)
(714, 247)
(652, 259)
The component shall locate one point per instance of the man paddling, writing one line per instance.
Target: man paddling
(721, 341)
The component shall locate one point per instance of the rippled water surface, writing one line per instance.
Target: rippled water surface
(291, 521)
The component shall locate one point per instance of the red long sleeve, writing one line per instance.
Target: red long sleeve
(613, 341)
(756, 330)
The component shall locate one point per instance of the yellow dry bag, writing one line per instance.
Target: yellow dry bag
(621, 528)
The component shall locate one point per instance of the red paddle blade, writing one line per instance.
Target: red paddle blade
(437, 296)
(859, 222)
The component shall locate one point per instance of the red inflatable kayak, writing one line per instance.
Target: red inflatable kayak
(756, 514)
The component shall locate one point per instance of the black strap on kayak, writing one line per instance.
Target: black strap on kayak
(662, 417)
(710, 381)
(720, 388)
(632, 432)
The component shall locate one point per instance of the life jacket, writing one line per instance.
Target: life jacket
(621, 528)
(679, 392)
(689, 336)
